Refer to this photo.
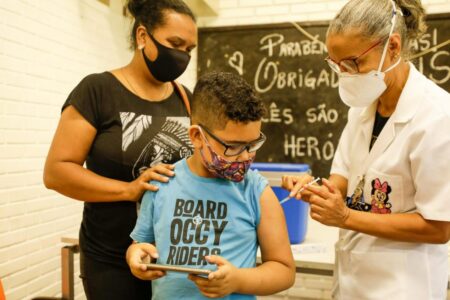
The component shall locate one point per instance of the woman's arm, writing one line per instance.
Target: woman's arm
(400, 227)
(328, 207)
(64, 171)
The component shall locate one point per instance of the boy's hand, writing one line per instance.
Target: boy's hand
(219, 283)
(136, 253)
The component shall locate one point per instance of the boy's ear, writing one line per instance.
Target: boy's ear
(195, 136)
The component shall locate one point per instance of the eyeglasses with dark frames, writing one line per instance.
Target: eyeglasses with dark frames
(237, 148)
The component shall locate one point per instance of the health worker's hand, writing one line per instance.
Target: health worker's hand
(295, 183)
(327, 205)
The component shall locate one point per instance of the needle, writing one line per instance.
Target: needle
(300, 190)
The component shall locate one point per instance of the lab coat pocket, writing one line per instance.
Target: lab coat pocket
(385, 192)
(371, 275)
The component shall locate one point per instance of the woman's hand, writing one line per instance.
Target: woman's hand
(327, 204)
(138, 186)
(295, 183)
(219, 283)
(136, 254)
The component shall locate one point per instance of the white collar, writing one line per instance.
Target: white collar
(409, 100)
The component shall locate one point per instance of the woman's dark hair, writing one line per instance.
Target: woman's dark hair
(220, 97)
(151, 13)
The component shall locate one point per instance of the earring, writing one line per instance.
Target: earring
(140, 47)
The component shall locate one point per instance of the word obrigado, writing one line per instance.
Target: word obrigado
(278, 54)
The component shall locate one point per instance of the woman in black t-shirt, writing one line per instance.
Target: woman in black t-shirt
(128, 125)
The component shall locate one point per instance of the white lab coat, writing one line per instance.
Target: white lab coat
(410, 163)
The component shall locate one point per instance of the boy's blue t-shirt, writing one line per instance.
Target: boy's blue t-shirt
(191, 217)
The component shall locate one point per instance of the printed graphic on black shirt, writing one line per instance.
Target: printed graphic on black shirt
(132, 127)
(166, 143)
(199, 226)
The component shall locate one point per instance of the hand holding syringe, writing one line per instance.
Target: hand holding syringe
(301, 190)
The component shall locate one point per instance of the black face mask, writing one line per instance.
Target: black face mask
(169, 64)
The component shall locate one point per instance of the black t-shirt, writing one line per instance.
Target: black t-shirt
(378, 126)
(132, 134)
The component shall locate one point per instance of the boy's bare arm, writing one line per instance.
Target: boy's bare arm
(277, 271)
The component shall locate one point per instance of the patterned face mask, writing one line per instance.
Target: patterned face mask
(223, 168)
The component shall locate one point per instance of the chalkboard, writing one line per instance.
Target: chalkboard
(285, 64)
(436, 63)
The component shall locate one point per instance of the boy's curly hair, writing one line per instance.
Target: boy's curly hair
(220, 97)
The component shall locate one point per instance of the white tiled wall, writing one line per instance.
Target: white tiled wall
(235, 12)
(46, 47)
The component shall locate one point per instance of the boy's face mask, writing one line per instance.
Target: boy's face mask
(223, 168)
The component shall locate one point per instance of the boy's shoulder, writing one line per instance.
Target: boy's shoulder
(180, 173)
(254, 184)
(253, 177)
(253, 180)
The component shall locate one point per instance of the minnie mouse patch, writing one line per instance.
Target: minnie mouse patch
(380, 197)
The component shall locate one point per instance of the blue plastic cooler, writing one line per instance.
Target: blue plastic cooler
(296, 212)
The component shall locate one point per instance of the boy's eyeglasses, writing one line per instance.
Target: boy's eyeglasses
(238, 148)
(349, 65)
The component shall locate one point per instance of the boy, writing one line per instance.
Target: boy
(214, 211)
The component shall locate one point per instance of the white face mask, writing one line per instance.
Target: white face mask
(361, 90)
